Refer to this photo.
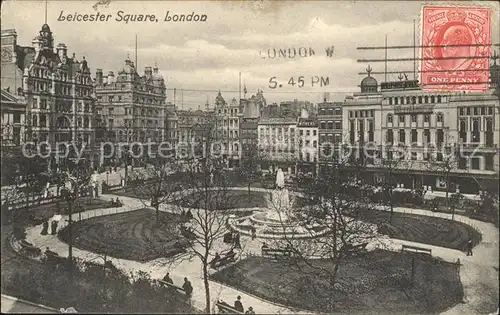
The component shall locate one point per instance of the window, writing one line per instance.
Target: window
(413, 118)
(468, 110)
(401, 119)
(35, 121)
(17, 118)
(439, 98)
(439, 157)
(462, 163)
(432, 99)
(461, 111)
(314, 132)
(362, 113)
(402, 136)
(408, 100)
(427, 118)
(390, 100)
(483, 111)
(475, 111)
(414, 156)
(414, 136)
(488, 162)
(439, 117)
(338, 112)
(474, 163)
(390, 136)
(330, 125)
(490, 110)
(427, 136)
(440, 137)
(338, 125)
(402, 100)
(43, 121)
(426, 99)
(389, 118)
(413, 99)
(420, 99)
(396, 101)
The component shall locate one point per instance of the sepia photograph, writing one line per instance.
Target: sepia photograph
(250, 157)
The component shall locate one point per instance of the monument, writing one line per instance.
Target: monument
(279, 204)
(276, 220)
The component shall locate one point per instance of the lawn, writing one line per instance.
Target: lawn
(423, 229)
(374, 283)
(134, 235)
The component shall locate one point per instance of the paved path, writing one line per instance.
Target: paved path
(12, 305)
(479, 273)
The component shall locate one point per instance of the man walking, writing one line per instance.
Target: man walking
(188, 288)
(238, 305)
(469, 247)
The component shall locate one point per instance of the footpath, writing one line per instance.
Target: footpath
(479, 273)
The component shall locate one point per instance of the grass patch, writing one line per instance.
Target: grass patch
(134, 235)
(377, 282)
(423, 229)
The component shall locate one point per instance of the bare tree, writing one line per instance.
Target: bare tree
(250, 165)
(158, 185)
(330, 207)
(444, 161)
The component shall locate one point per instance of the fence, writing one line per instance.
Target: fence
(41, 201)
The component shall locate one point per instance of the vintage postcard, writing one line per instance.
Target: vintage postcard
(250, 157)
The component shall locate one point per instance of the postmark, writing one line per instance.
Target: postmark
(455, 47)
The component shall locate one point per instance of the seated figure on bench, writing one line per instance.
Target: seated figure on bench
(188, 288)
(168, 279)
(215, 260)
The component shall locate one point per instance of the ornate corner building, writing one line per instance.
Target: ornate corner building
(57, 90)
(132, 108)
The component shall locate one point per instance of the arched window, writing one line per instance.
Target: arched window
(432, 99)
(439, 98)
(439, 117)
(86, 122)
(413, 99)
(389, 118)
(408, 100)
(463, 126)
(35, 121)
(402, 100)
(420, 99)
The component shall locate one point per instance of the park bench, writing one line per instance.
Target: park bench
(353, 250)
(224, 260)
(415, 249)
(29, 248)
(54, 258)
(172, 286)
(276, 253)
(225, 308)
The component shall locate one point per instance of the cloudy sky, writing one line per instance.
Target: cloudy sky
(201, 58)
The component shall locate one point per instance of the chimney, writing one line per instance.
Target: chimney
(9, 38)
(98, 77)
(111, 77)
(62, 51)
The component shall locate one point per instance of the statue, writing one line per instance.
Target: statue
(280, 179)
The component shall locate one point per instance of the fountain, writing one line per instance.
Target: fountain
(276, 221)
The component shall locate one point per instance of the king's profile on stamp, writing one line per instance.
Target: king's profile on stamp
(455, 47)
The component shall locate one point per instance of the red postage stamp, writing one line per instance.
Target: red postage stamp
(455, 51)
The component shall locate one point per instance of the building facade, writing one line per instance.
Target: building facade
(330, 130)
(58, 92)
(307, 144)
(424, 133)
(131, 107)
(227, 128)
(278, 143)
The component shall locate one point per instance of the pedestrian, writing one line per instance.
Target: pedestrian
(168, 279)
(469, 247)
(250, 311)
(237, 243)
(237, 304)
(45, 227)
(254, 233)
(53, 227)
(187, 287)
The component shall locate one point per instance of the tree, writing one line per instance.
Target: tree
(332, 207)
(76, 179)
(444, 160)
(250, 165)
(158, 185)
